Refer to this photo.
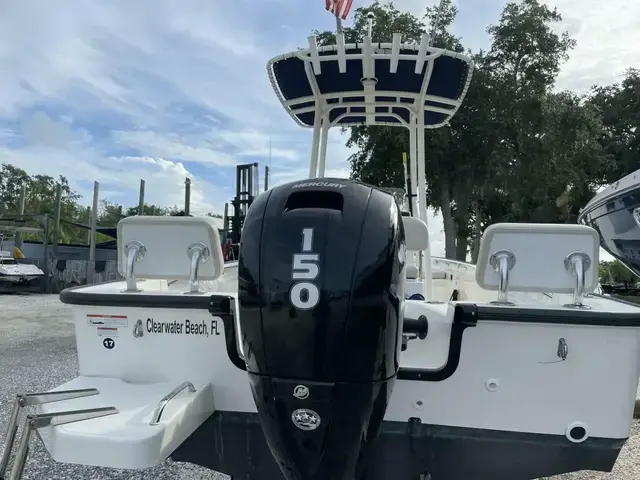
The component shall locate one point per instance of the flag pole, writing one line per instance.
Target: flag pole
(338, 22)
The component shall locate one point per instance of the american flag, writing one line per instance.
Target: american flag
(340, 8)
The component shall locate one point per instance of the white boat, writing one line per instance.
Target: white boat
(615, 214)
(305, 360)
(12, 272)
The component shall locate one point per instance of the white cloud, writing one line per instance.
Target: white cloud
(164, 179)
(54, 149)
(607, 35)
(173, 147)
(261, 144)
(164, 89)
(136, 62)
(165, 184)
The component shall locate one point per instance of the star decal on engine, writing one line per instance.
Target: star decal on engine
(305, 419)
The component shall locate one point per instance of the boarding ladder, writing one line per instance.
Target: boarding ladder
(33, 422)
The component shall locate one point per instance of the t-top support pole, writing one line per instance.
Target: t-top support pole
(324, 137)
(315, 143)
(413, 169)
(422, 205)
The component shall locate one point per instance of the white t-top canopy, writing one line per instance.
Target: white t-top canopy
(415, 86)
(371, 83)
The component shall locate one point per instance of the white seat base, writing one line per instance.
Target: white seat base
(125, 440)
(432, 353)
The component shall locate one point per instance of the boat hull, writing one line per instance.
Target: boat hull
(407, 450)
(20, 279)
(20, 283)
(498, 401)
(616, 217)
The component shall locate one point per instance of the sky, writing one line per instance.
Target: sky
(116, 91)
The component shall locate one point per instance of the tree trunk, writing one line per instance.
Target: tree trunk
(462, 242)
(461, 220)
(448, 222)
(477, 232)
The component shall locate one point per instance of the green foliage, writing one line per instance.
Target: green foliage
(516, 150)
(615, 272)
(619, 105)
(40, 199)
(628, 298)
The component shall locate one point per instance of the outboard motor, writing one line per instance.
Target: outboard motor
(321, 289)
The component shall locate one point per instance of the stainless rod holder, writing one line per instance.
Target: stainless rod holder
(577, 264)
(198, 253)
(502, 262)
(136, 252)
(157, 412)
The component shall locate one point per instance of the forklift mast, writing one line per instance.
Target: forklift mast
(247, 188)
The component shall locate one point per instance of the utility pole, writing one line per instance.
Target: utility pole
(91, 267)
(22, 205)
(187, 196)
(56, 220)
(141, 199)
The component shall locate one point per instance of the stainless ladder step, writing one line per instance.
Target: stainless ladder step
(35, 421)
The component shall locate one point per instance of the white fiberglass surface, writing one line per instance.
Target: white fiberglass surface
(509, 377)
(125, 440)
(227, 284)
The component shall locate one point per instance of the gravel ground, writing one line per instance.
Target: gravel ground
(37, 352)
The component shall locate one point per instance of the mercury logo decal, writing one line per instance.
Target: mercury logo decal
(301, 392)
(319, 184)
(305, 419)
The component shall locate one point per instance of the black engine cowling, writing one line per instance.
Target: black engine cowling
(321, 286)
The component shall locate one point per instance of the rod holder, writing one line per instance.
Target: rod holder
(370, 19)
(577, 264)
(198, 253)
(136, 251)
(502, 262)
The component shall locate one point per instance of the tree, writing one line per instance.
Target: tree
(378, 160)
(619, 105)
(11, 181)
(615, 272)
(388, 20)
(40, 198)
(515, 151)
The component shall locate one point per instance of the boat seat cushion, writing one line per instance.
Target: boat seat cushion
(416, 234)
(540, 250)
(167, 241)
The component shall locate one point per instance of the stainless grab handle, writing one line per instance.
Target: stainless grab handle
(157, 412)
